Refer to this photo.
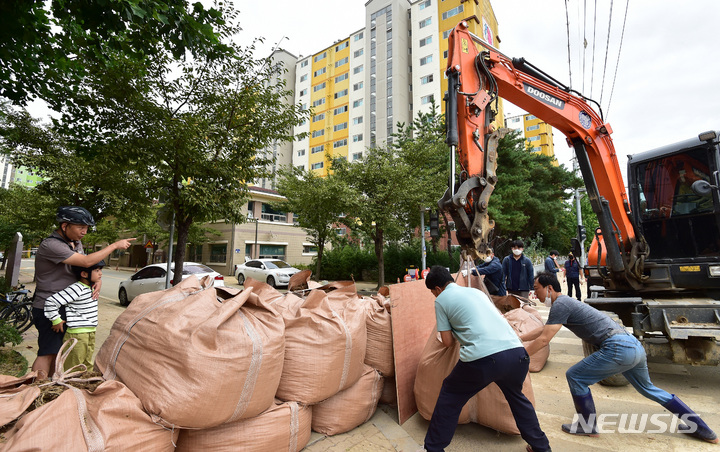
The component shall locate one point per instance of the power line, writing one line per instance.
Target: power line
(618, 58)
(592, 70)
(567, 23)
(607, 48)
(584, 53)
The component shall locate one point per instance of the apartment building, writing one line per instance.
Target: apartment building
(360, 87)
(538, 134)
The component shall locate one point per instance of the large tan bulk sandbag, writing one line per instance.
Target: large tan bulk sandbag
(379, 354)
(325, 344)
(301, 281)
(349, 408)
(524, 320)
(14, 402)
(436, 363)
(490, 408)
(280, 301)
(194, 361)
(109, 419)
(389, 392)
(16, 396)
(283, 427)
(506, 303)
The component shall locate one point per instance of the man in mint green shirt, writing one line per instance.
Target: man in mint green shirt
(490, 351)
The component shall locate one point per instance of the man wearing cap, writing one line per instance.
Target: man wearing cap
(55, 256)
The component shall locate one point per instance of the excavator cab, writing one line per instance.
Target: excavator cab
(676, 204)
(678, 219)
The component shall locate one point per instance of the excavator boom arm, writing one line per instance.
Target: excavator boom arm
(477, 74)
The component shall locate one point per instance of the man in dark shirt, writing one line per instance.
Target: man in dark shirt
(518, 271)
(56, 254)
(492, 269)
(619, 352)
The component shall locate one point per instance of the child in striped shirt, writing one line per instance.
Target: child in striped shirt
(81, 313)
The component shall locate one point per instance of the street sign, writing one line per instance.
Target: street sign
(149, 244)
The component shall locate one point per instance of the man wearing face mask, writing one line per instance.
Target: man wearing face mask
(494, 278)
(618, 352)
(572, 272)
(518, 271)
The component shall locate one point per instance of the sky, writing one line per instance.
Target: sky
(665, 80)
(666, 84)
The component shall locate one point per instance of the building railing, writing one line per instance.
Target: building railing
(273, 217)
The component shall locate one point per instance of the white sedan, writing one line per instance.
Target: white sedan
(152, 278)
(272, 271)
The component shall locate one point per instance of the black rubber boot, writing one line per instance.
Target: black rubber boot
(586, 424)
(703, 432)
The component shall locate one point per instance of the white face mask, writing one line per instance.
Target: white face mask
(488, 259)
(517, 252)
(548, 301)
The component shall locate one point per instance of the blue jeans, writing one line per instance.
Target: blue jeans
(621, 353)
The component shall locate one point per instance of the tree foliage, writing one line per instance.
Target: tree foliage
(315, 202)
(26, 211)
(422, 145)
(532, 195)
(384, 192)
(44, 44)
(189, 130)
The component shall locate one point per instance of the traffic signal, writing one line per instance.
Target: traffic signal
(575, 247)
(434, 225)
(582, 234)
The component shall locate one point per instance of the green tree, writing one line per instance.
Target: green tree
(191, 130)
(532, 195)
(26, 211)
(422, 146)
(383, 192)
(315, 203)
(43, 44)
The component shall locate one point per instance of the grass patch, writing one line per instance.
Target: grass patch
(12, 363)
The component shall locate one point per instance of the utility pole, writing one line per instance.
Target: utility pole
(422, 238)
(578, 211)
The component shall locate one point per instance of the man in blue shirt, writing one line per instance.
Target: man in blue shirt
(518, 270)
(551, 264)
(492, 268)
(490, 351)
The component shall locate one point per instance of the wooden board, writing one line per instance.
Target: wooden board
(413, 320)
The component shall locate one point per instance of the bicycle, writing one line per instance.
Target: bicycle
(17, 309)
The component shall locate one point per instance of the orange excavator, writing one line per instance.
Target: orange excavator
(655, 259)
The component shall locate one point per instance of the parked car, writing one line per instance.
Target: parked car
(152, 278)
(272, 271)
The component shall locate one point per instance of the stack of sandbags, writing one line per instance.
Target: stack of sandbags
(110, 418)
(349, 408)
(325, 341)
(285, 426)
(195, 355)
(327, 335)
